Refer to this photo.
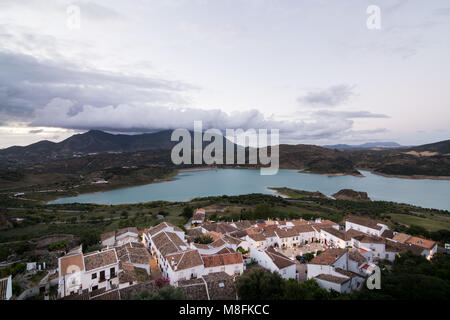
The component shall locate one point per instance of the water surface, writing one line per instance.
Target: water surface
(187, 185)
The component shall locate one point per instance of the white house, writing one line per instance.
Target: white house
(183, 266)
(231, 263)
(366, 226)
(6, 288)
(256, 240)
(428, 247)
(331, 271)
(306, 233)
(198, 217)
(326, 262)
(287, 237)
(78, 272)
(162, 227)
(134, 253)
(371, 243)
(108, 239)
(126, 235)
(275, 262)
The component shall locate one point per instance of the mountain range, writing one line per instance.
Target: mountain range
(94, 149)
(365, 146)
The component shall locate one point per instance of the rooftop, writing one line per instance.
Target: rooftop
(331, 278)
(184, 260)
(362, 222)
(72, 263)
(279, 259)
(328, 257)
(224, 259)
(100, 259)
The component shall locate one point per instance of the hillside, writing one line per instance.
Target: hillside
(78, 145)
(96, 150)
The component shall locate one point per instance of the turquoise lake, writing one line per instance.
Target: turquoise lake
(187, 185)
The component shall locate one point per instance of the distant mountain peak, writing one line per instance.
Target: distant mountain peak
(367, 145)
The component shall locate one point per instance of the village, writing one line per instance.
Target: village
(206, 259)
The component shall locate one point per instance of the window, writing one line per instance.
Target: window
(94, 288)
(112, 272)
(102, 275)
(94, 276)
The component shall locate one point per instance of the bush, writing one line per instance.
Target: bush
(204, 240)
(58, 245)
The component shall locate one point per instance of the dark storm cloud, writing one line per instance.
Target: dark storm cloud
(27, 84)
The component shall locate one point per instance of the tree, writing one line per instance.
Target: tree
(309, 256)
(187, 212)
(260, 284)
(89, 238)
(165, 293)
(203, 239)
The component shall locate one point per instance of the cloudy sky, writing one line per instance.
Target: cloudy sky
(312, 69)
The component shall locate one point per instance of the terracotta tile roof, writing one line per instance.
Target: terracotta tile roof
(194, 232)
(238, 233)
(337, 233)
(195, 289)
(214, 286)
(214, 235)
(219, 227)
(168, 242)
(388, 234)
(129, 292)
(257, 237)
(109, 295)
(201, 246)
(269, 234)
(125, 230)
(72, 263)
(303, 228)
(328, 257)
(279, 259)
(127, 273)
(198, 216)
(365, 238)
(352, 233)
(217, 260)
(299, 222)
(286, 233)
(225, 250)
(331, 278)
(184, 260)
(231, 240)
(244, 224)
(401, 237)
(162, 226)
(218, 243)
(347, 273)
(133, 253)
(355, 255)
(421, 242)
(221, 286)
(362, 222)
(107, 235)
(100, 259)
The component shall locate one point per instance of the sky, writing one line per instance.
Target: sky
(312, 69)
